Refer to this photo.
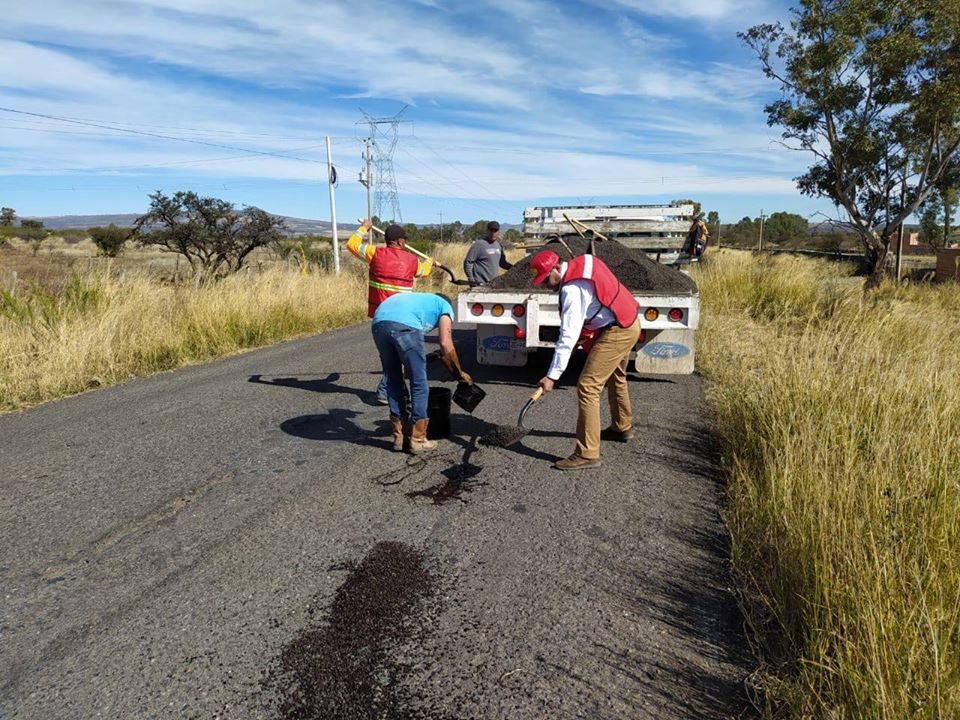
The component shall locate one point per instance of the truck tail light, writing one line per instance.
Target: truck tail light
(651, 314)
(675, 315)
(519, 333)
(476, 309)
(643, 337)
(497, 310)
(519, 310)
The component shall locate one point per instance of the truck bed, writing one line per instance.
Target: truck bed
(632, 267)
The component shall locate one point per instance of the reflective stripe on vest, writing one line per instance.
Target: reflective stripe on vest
(389, 288)
(609, 291)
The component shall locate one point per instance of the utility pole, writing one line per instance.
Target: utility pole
(365, 178)
(718, 233)
(331, 179)
(762, 218)
(903, 196)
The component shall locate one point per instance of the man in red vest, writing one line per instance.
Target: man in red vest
(392, 271)
(596, 310)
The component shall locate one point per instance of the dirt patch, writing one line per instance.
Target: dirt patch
(343, 670)
(632, 267)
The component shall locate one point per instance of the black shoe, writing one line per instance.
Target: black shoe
(621, 436)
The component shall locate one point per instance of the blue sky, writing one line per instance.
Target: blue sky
(511, 103)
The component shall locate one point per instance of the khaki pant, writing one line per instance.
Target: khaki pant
(606, 367)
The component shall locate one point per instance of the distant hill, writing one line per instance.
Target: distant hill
(296, 226)
(82, 222)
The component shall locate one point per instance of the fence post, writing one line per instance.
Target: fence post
(13, 288)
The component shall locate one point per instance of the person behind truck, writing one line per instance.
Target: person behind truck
(399, 324)
(484, 256)
(697, 238)
(596, 310)
(392, 270)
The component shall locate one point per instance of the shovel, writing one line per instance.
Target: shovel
(468, 395)
(424, 256)
(503, 435)
(580, 227)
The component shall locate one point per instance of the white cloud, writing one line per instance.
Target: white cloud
(705, 10)
(541, 102)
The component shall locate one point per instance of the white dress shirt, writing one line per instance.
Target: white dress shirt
(579, 308)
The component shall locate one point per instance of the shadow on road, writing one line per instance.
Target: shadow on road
(324, 385)
(338, 425)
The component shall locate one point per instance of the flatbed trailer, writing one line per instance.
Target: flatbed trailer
(512, 324)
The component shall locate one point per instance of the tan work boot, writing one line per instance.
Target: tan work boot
(575, 462)
(620, 436)
(418, 438)
(398, 435)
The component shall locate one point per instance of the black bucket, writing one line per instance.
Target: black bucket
(438, 410)
(468, 396)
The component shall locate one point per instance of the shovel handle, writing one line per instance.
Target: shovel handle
(577, 225)
(408, 248)
(537, 394)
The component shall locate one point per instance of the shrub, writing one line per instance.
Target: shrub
(109, 240)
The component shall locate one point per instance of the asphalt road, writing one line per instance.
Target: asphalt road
(237, 540)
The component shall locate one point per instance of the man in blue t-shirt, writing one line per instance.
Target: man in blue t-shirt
(399, 325)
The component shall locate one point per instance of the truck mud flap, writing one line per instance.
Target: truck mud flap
(666, 352)
(497, 346)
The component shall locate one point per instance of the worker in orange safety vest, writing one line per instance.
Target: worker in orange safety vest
(392, 270)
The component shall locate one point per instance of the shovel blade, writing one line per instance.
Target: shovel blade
(503, 435)
(468, 396)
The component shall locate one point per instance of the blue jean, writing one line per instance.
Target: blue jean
(401, 347)
(382, 386)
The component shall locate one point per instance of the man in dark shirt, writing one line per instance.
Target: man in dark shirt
(485, 256)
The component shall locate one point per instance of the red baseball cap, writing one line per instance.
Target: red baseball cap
(541, 264)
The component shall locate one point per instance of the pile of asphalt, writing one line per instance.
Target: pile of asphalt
(342, 670)
(632, 267)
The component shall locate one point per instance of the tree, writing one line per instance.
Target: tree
(948, 197)
(210, 233)
(931, 219)
(745, 231)
(697, 207)
(477, 231)
(32, 224)
(713, 224)
(7, 216)
(948, 188)
(870, 88)
(110, 239)
(782, 227)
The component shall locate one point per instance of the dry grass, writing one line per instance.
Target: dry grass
(96, 324)
(841, 420)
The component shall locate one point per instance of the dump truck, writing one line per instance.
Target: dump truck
(514, 319)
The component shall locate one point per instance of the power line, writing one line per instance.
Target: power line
(160, 136)
(455, 167)
(204, 131)
(458, 184)
(116, 168)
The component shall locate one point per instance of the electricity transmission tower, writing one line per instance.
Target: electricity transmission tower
(385, 133)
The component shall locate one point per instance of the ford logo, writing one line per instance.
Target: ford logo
(497, 343)
(665, 350)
